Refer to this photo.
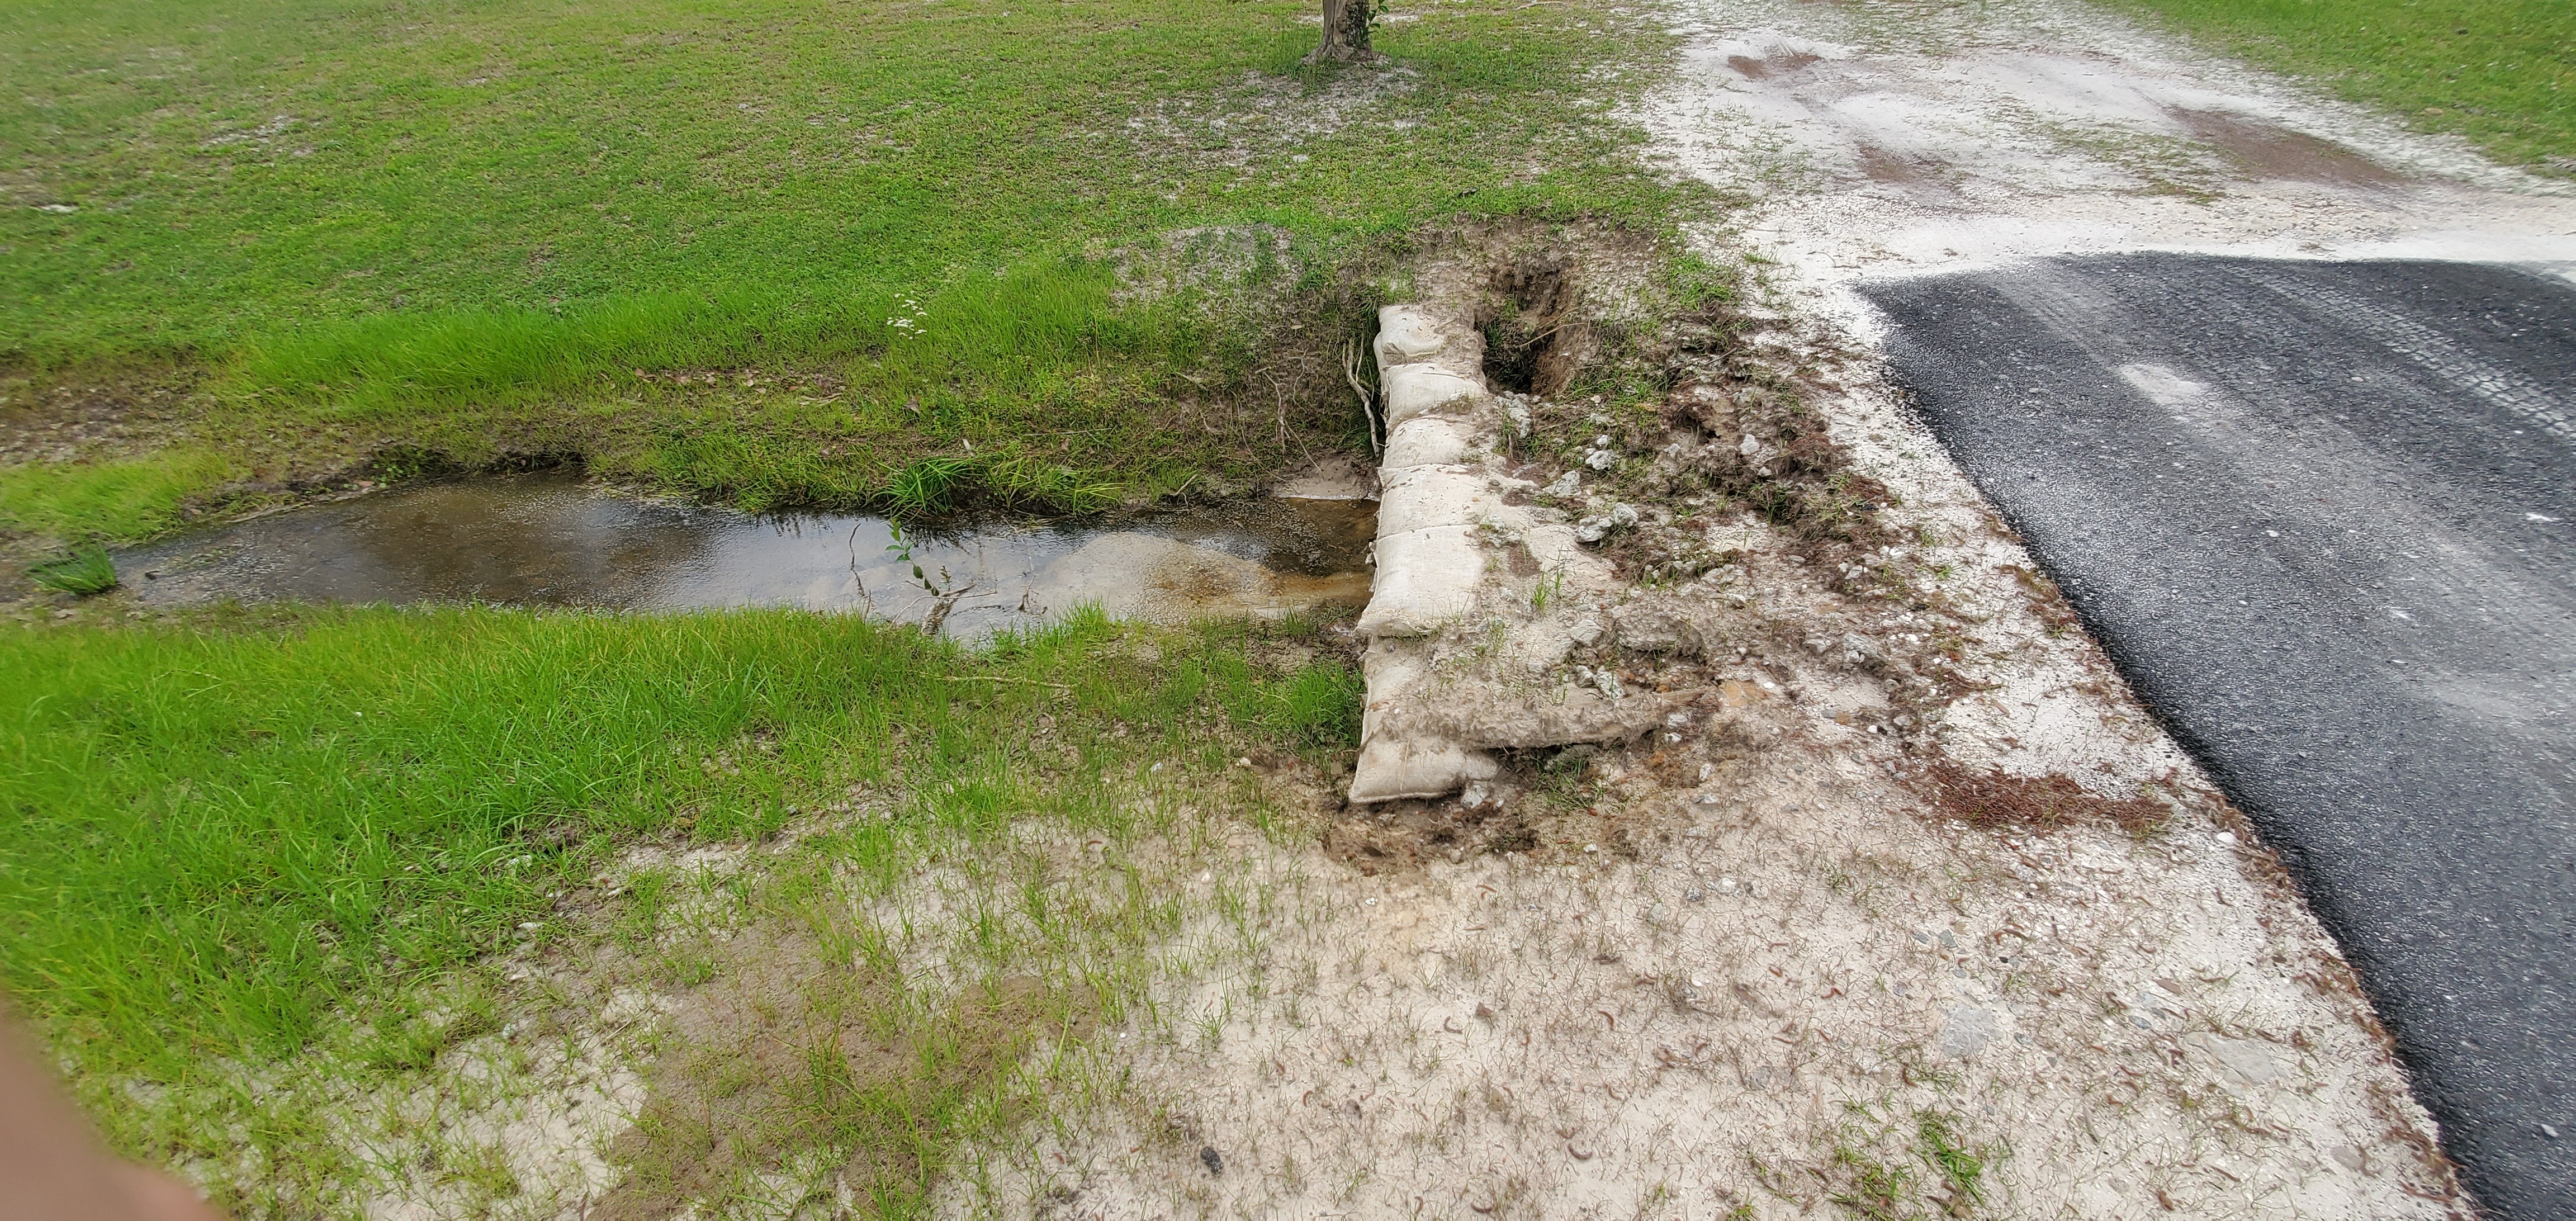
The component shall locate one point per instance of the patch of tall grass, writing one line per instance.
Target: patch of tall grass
(215, 834)
(118, 499)
(1000, 333)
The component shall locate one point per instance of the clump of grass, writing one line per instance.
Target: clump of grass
(1868, 1173)
(83, 573)
(925, 487)
(1960, 1166)
(1321, 705)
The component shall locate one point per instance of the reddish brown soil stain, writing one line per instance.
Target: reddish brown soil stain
(2268, 150)
(1753, 69)
(1995, 800)
(1900, 169)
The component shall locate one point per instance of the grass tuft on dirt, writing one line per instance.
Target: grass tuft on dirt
(83, 573)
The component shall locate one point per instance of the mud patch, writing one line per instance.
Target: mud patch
(87, 414)
(2265, 149)
(1534, 332)
(1777, 63)
(1881, 164)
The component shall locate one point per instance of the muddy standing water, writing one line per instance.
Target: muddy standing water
(552, 540)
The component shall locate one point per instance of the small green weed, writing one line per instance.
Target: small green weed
(1871, 1171)
(1550, 589)
(1960, 1166)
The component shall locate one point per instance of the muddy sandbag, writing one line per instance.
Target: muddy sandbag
(1427, 440)
(1417, 390)
(1395, 769)
(1420, 497)
(1425, 578)
(1491, 717)
(1424, 365)
(1683, 627)
(1406, 335)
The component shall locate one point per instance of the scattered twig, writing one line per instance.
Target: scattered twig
(1368, 401)
(996, 678)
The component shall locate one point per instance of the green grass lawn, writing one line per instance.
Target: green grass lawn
(2501, 72)
(771, 254)
(223, 836)
(922, 227)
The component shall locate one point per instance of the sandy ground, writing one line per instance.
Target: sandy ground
(1888, 139)
(1758, 971)
(1765, 990)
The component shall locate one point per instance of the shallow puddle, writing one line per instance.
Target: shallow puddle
(552, 540)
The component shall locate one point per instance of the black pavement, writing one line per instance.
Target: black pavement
(2323, 515)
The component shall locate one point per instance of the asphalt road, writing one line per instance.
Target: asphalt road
(2323, 515)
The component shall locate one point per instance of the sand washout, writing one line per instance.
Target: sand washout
(1761, 958)
(1756, 967)
(1886, 140)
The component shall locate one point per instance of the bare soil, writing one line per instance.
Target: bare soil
(1908, 910)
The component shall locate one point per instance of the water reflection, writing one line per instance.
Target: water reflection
(550, 540)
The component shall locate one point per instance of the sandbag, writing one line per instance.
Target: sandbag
(1425, 578)
(1414, 390)
(1427, 440)
(1418, 498)
(1406, 335)
(1390, 770)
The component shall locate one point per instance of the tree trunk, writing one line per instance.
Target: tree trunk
(1346, 33)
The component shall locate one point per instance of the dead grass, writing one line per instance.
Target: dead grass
(1995, 800)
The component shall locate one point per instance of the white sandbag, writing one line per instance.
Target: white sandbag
(1427, 440)
(1425, 578)
(1390, 668)
(1420, 497)
(1413, 390)
(1406, 335)
(1390, 770)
